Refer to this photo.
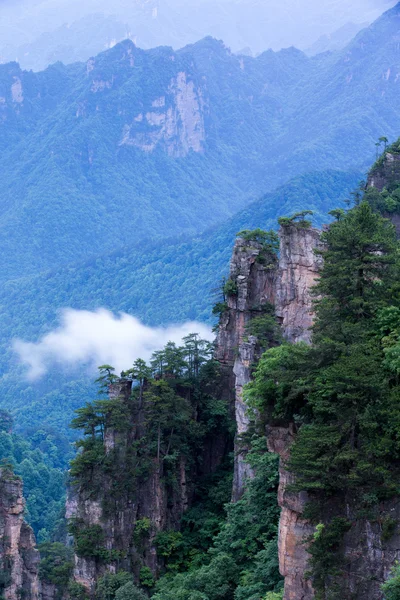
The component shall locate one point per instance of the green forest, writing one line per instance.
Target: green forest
(341, 392)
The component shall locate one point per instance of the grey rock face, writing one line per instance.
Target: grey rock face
(261, 280)
(19, 559)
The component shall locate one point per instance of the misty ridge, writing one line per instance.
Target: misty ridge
(37, 33)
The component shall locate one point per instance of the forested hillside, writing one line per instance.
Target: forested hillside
(173, 142)
(174, 281)
(328, 406)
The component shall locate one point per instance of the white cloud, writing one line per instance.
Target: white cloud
(96, 338)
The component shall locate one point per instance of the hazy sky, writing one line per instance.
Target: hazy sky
(260, 24)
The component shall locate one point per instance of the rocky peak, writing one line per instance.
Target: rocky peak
(298, 270)
(385, 171)
(19, 559)
(260, 280)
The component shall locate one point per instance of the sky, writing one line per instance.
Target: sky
(259, 24)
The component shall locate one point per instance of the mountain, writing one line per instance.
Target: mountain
(103, 163)
(169, 282)
(36, 32)
(165, 142)
(174, 142)
(337, 40)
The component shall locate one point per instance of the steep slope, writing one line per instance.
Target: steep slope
(354, 97)
(167, 142)
(19, 559)
(173, 142)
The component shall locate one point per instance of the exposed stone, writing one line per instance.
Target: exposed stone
(17, 91)
(386, 172)
(284, 283)
(18, 555)
(177, 123)
(236, 350)
(298, 270)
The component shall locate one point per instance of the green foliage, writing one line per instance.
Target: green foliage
(326, 559)
(298, 220)
(265, 328)
(391, 588)
(389, 527)
(168, 543)
(219, 308)
(146, 577)
(40, 462)
(174, 410)
(88, 539)
(242, 560)
(77, 591)
(107, 586)
(130, 592)
(142, 527)
(56, 565)
(5, 574)
(230, 288)
(269, 240)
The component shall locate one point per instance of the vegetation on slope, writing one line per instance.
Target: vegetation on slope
(223, 551)
(41, 462)
(161, 283)
(343, 390)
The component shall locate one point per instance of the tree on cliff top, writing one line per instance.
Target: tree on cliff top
(342, 389)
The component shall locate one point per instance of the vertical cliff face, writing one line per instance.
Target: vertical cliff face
(19, 559)
(285, 283)
(253, 274)
(261, 280)
(135, 489)
(298, 270)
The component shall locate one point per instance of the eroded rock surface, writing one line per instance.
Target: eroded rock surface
(175, 121)
(19, 559)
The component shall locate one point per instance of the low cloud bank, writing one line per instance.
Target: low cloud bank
(100, 337)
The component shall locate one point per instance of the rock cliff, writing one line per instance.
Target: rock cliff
(261, 280)
(135, 494)
(19, 559)
(286, 283)
(253, 273)
(367, 551)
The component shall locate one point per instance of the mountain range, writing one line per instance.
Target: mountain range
(125, 178)
(172, 142)
(38, 32)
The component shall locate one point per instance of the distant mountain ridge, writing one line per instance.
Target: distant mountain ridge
(172, 142)
(38, 32)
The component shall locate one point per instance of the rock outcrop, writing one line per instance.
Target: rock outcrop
(368, 551)
(261, 280)
(127, 504)
(174, 122)
(19, 559)
(253, 275)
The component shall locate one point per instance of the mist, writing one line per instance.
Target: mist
(254, 25)
(101, 337)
